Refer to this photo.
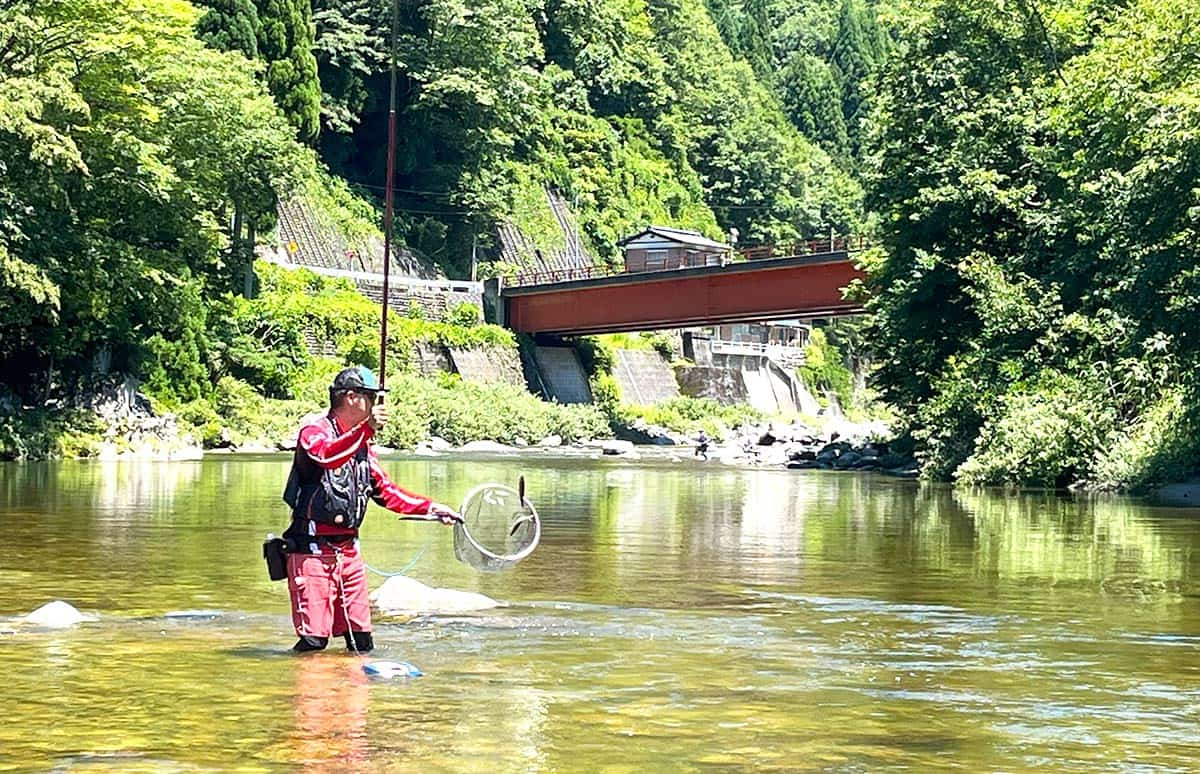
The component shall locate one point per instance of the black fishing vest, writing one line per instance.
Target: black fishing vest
(322, 495)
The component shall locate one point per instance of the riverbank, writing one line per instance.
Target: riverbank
(111, 419)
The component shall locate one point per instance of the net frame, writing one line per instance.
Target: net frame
(470, 551)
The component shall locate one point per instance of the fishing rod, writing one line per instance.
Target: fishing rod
(388, 203)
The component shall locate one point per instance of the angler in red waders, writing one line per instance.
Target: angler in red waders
(334, 473)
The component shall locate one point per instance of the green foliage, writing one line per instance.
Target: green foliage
(466, 315)
(1034, 177)
(1045, 433)
(596, 354)
(264, 340)
(636, 111)
(40, 434)
(820, 57)
(606, 395)
(243, 415)
(285, 43)
(825, 370)
(230, 25)
(337, 207)
(644, 341)
(690, 415)
(1160, 447)
(125, 145)
(346, 45)
(462, 411)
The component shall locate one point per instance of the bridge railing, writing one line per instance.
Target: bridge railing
(834, 244)
(568, 274)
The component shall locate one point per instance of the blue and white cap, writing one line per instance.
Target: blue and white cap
(357, 378)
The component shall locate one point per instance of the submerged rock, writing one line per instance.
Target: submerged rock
(55, 615)
(401, 594)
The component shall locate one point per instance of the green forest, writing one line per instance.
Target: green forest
(1027, 174)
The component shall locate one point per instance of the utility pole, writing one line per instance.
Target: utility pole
(474, 243)
(387, 207)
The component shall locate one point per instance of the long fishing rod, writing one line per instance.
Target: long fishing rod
(387, 207)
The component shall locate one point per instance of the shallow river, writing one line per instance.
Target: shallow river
(677, 616)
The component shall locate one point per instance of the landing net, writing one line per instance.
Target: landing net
(500, 527)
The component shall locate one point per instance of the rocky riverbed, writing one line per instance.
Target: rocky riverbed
(118, 422)
(838, 445)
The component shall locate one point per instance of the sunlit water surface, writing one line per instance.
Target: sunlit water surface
(677, 616)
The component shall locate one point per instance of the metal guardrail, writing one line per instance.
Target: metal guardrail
(394, 281)
(754, 253)
(779, 352)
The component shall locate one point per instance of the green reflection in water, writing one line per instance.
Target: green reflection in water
(677, 616)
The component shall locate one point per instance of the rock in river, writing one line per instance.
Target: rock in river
(401, 594)
(55, 615)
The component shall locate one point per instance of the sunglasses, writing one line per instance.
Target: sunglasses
(370, 397)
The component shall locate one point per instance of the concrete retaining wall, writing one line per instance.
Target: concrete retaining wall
(720, 384)
(488, 366)
(562, 374)
(645, 377)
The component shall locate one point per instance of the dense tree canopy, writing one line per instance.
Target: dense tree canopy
(1035, 178)
(636, 111)
(1030, 171)
(820, 57)
(126, 148)
(281, 34)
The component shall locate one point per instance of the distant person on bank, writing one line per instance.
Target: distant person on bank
(334, 473)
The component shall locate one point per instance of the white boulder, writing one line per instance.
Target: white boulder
(55, 615)
(401, 594)
(490, 447)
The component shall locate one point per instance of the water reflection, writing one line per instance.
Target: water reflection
(680, 615)
(330, 702)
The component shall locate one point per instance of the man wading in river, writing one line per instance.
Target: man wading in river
(334, 473)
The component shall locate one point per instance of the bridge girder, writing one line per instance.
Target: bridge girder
(802, 287)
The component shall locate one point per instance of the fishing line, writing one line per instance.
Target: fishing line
(403, 570)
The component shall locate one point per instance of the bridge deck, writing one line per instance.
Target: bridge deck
(801, 286)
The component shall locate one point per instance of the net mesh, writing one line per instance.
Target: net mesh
(499, 528)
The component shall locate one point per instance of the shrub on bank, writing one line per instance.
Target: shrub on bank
(460, 411)
(688, 415)
(1161, 447)
(1044, 435)
(824, 369)
(39, 434)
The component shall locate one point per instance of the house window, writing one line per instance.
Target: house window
(656, 260)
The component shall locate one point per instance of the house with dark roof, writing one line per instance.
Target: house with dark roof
(658, 248)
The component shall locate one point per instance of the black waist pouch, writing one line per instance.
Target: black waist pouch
(275, 552)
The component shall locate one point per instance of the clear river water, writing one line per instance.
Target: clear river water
(677, 616)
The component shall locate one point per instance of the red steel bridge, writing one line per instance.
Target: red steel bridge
(773, 283)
